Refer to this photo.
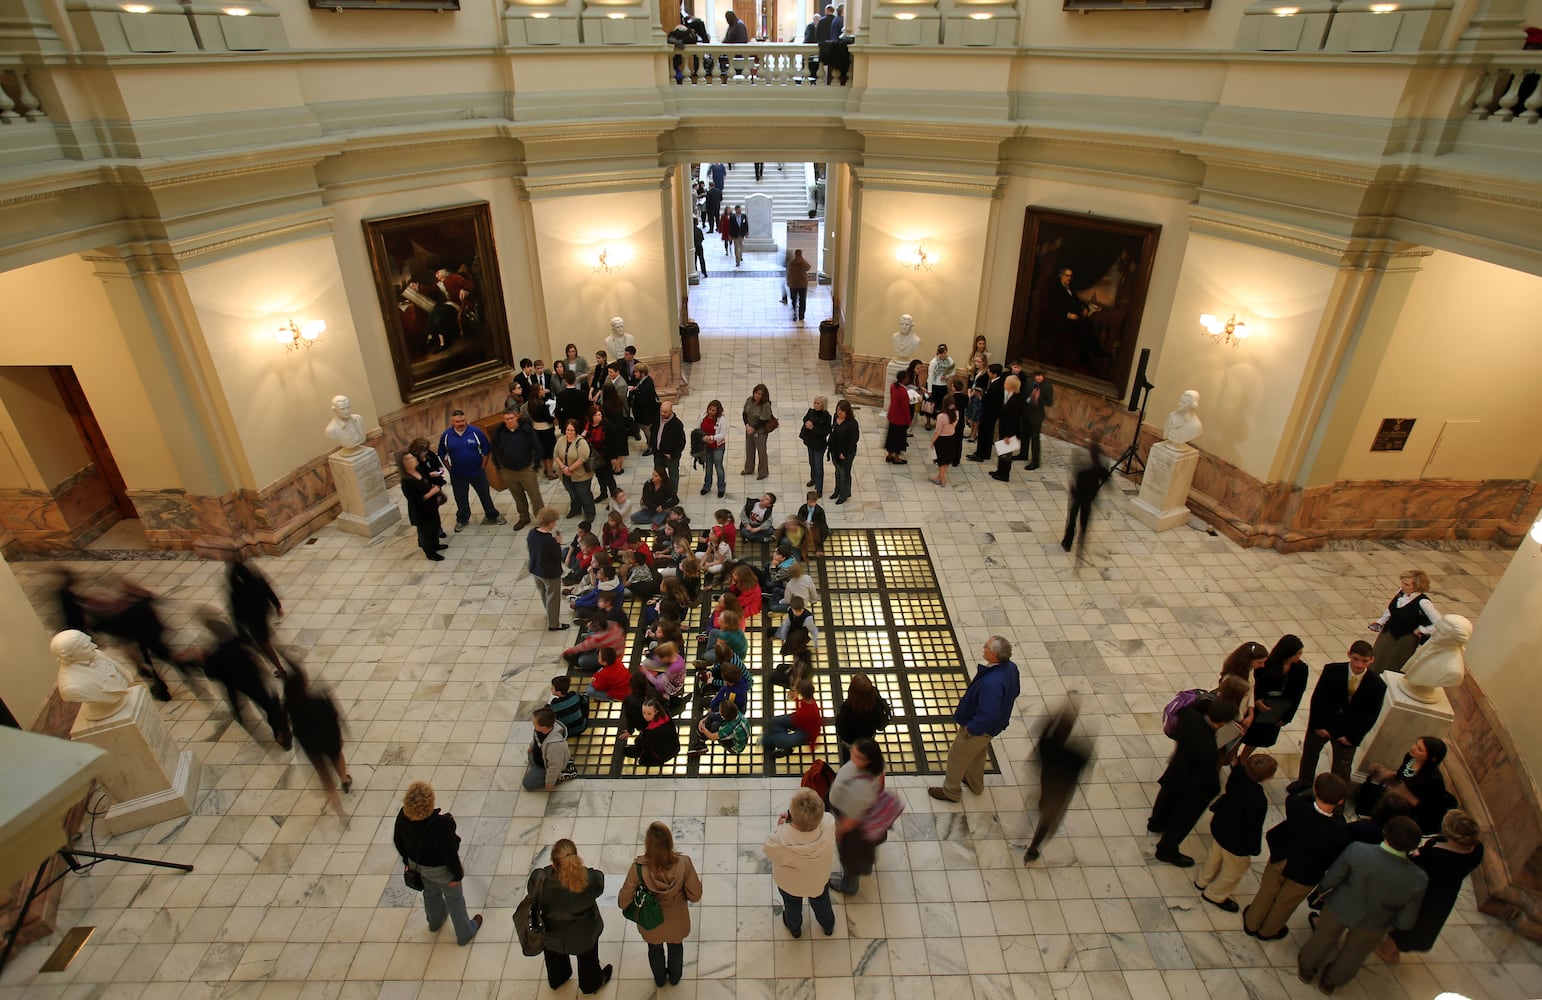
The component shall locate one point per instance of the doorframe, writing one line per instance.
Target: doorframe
(79, 407)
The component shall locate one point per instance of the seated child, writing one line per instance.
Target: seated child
(607, 631)
(613, 680)
(725, 729)
(614, 534)
(795, 534)
(757, 525)
(580, 553)
(665, 670)
(570, 707)
(586, 603)
(798, 616)
(621, 503)
(800, 585)
(716, 555)
(813, 515)
(747, 589)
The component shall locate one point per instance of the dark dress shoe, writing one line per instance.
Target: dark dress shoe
(1228, 904)
(1001, 477)
(976, 458)
(559, 628)
(1031, 466)
(436, 557)
(1176, 858)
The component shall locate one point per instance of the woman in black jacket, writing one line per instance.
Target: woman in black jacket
(815, 436)
(658, 498)
(427, 841)
(605, 439)
(862, 715)
(1417, 781)
(569, 891)
(1278, 687)
(657, 741)
(844, 434)
(423, 500)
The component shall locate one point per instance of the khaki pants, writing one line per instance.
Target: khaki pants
(1276, 900)
(966, 764)
(1337, 960)
(1222, 871)
(526, 487)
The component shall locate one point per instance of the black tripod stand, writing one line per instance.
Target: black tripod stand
(1130, 458)
(72, 858)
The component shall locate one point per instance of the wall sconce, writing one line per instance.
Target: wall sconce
(1536, 531)
(917, 259)
(294, 337)
(610, 259)
(1231, 331)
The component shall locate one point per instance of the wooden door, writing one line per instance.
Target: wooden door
(91, 436)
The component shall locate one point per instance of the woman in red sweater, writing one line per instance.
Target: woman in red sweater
(899, 417)
(787, 732)
(746, 588)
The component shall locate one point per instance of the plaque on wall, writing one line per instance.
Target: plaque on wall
(1086, 5)
(340, 5)
(1393, 434)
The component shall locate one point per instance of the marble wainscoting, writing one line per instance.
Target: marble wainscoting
(68, 516)
(429, 418)
(167, 518)
(1489, 779)
(863, 378)
(669, 376)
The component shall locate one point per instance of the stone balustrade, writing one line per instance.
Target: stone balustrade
(1510, 90)
(18, 104)
(759, 65)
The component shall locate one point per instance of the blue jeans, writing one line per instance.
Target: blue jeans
(649, 517)
(580, 497)
(461, 486)
(842, 478)
(599, 695)
(792, 911)
(816, 468)
(715, 461)
(780, 735)
(441, 900)
(535, 778)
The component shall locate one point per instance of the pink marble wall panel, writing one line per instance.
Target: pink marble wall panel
(430, 417)
(863, 378)
(88, 505)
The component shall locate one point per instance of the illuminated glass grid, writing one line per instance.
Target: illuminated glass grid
(917, 609)
(855, 609)
(899, 749)
(849, 574)
(934, 693)
(929, 649)
(898, 542)
(847, 543)
(935, 738)
(863, 649)
(907, 574)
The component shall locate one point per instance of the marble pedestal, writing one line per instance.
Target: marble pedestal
(1403, 720)
(147, 778)
(368, 509)
(761, 237)
(1165, 486)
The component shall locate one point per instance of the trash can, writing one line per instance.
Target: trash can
(828, 330)
(690, 342)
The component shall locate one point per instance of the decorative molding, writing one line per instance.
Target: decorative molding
(319, 227)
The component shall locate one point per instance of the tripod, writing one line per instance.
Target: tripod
(72, 859)
(1130, 458)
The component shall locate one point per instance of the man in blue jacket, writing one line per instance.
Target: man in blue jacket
(462, 449)
(983, 712)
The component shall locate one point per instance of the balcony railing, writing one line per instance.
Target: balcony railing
(18, 104)
(770, 65)
(1509, 90)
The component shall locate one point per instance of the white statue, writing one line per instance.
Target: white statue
(619, 340)
(1183, 424)
(1438, 663)
(347, 427)
(906, 340)
(89, 676)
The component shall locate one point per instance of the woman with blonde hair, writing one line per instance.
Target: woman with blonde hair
(429, 846)
(568, 891)
(672, 879)
(1408, 620)
(800, 850)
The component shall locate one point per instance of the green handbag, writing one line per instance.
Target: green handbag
(645, 910)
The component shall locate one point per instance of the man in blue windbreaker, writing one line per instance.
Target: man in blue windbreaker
(984, 711)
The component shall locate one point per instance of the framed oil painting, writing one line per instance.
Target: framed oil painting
(1081, 290)
(339, 5)
(1137, 5)
(440, 294)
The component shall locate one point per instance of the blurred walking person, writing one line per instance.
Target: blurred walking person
(1084, 490)
(318, 727)
(1062, 759)
(252, 607)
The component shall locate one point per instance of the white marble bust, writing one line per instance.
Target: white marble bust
(1183, 424)
(347, 427)
(619, 340)
(99, 683)
(906, 340)
(1439, 662)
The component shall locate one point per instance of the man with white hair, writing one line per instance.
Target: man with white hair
(983, 712)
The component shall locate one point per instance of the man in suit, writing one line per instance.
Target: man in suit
(1301, 848)
(824, 32)
(1345, 704)
(572, 402)
(1371, 889)
(1009, 424)
(718, 174)
(701, 253)
(714, 204)
(1192, 778)
(644, 400)
(667, 442)
(738, 229)
(990, 408)
(539, 376)
(1065, 317)
(1041, 396)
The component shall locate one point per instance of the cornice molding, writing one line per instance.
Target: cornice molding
(867, 178)
(193, 249)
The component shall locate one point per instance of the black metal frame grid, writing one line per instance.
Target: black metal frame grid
(880, 610)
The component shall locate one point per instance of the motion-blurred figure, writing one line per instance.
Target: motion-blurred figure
(233, 663)
(130, 617)
(252, 606)
(1084, 490)
(318, 726)
(1062, 758)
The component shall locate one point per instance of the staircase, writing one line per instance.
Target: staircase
(786, 183)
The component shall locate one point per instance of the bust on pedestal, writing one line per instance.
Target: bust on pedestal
(147, 778)
(619, 340)
(1416, 705)
(1164, 487)
(906, 341)
(367, 508)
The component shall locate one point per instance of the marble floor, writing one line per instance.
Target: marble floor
(437, 665)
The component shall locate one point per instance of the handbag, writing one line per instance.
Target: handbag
(881, 815)
(530, 922)
(644, 910)
(413, 878)
(595, 460)
(770, 425)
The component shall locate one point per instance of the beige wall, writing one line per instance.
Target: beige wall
(1506, 647)
(1246, 393)
(476, 23)
(59, 315)
(569, 232)
(43, 427)
(280, 400)
(517, 270)
(1452, 342)
(1136, 206)
(27, 669)
(1045, 24)
(943, 301)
